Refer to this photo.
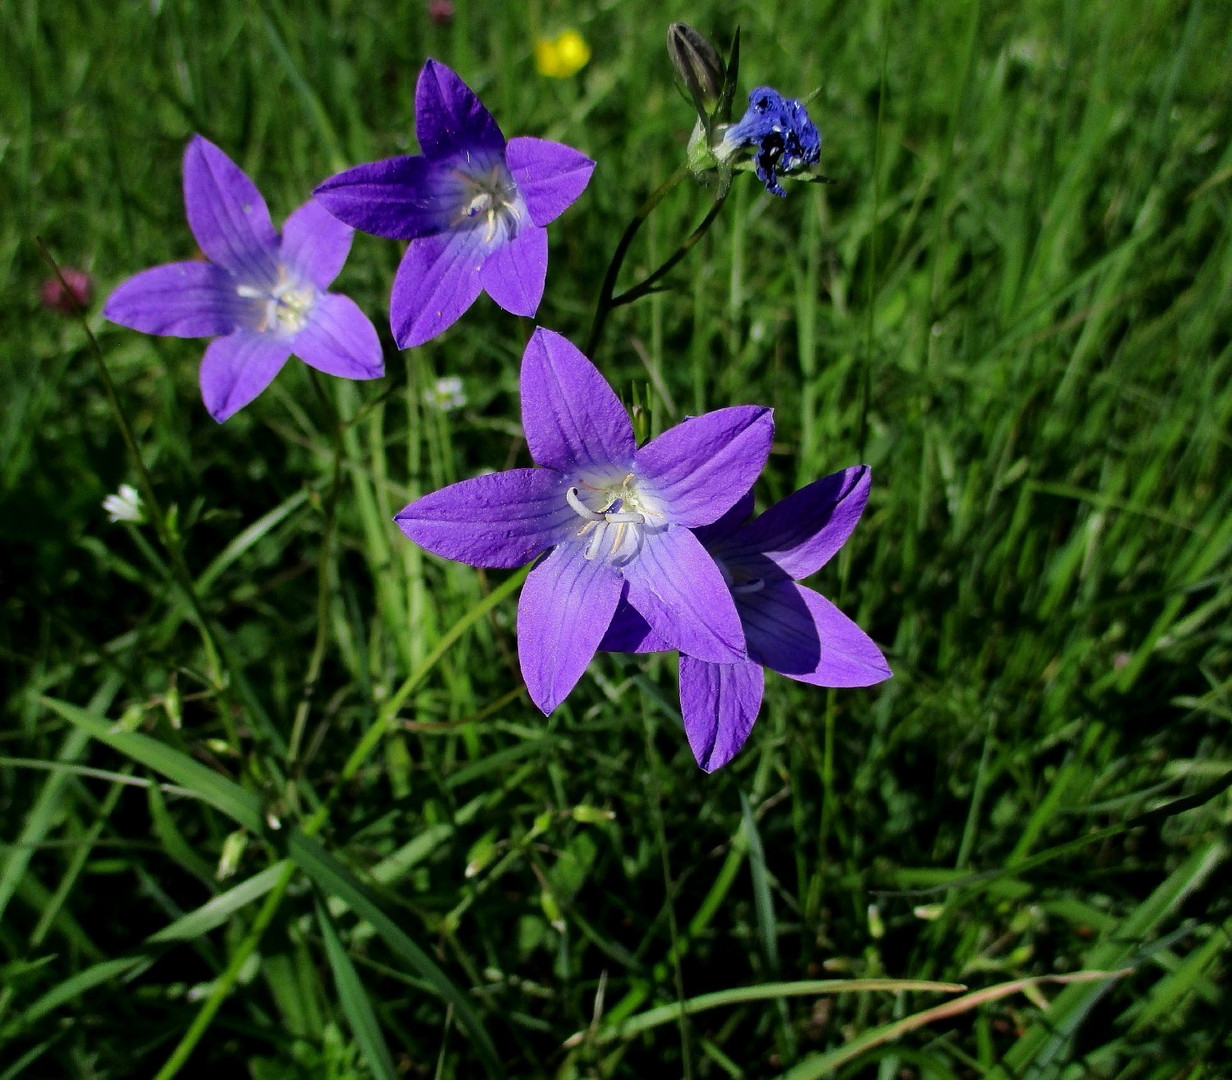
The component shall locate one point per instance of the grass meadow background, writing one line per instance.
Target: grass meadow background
(278, 807)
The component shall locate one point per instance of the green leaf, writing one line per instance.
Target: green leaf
(74, 987)
(1117, 948)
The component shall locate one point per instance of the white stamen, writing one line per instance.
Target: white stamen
(592, 549)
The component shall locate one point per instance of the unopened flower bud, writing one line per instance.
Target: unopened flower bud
(699, 64)
(440, 12)
(68, 295)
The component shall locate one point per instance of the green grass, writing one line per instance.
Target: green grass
(1015, 304)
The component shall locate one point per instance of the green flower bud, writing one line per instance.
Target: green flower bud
(700, 66)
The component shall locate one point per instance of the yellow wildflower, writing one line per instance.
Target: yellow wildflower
(561, 56)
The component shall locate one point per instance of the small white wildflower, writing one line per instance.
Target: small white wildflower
(445, 394)
(124, 505)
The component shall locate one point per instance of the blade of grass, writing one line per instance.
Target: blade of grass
(665, 1014)
(225, 795)
(354, 1000)
(1044, 1039)
(819, 1065)
(334, 879)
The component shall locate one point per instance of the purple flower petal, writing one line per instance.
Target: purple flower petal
(236, 368)
(185, 299)
(680, 592)
(513, 275)
(449, 117)
(549, 175)
(340, 340)
(630, 633)
(803, 531)
(227, 214)
(719, 703)
(701, 467)
(728, 524)
(565, 607)
(436, 282)
(315, 244)
(800, 634)
(401, 197)
(501, 520)
(572, 418)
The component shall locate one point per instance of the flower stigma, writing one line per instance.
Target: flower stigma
(622, 519)
(286, 305)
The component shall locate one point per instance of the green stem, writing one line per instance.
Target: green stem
(866, 368)
(323, 567)
(647, 284)
(607, 290)
(669, 888)
(216, 653)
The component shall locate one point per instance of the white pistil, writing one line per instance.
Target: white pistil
(592, 549)
(579, 507)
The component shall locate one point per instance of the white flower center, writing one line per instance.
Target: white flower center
(489, 199)
(284, 307)
(620, 523)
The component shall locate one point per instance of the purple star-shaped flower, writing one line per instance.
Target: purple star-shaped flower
(613, 518)
(789, 627)
(473, 206)
(264, 293)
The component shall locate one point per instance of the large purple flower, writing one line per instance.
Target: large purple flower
(473, 206)
(789, 627)
(613, 518)
(264, 293)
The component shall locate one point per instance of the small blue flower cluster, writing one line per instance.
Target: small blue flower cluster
(782, 133)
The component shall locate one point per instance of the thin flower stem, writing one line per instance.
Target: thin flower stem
(324, 563)
(609, 301)
(648, 283)
(216, 654)
(865, 390)
(669, 888)
(608, 289)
